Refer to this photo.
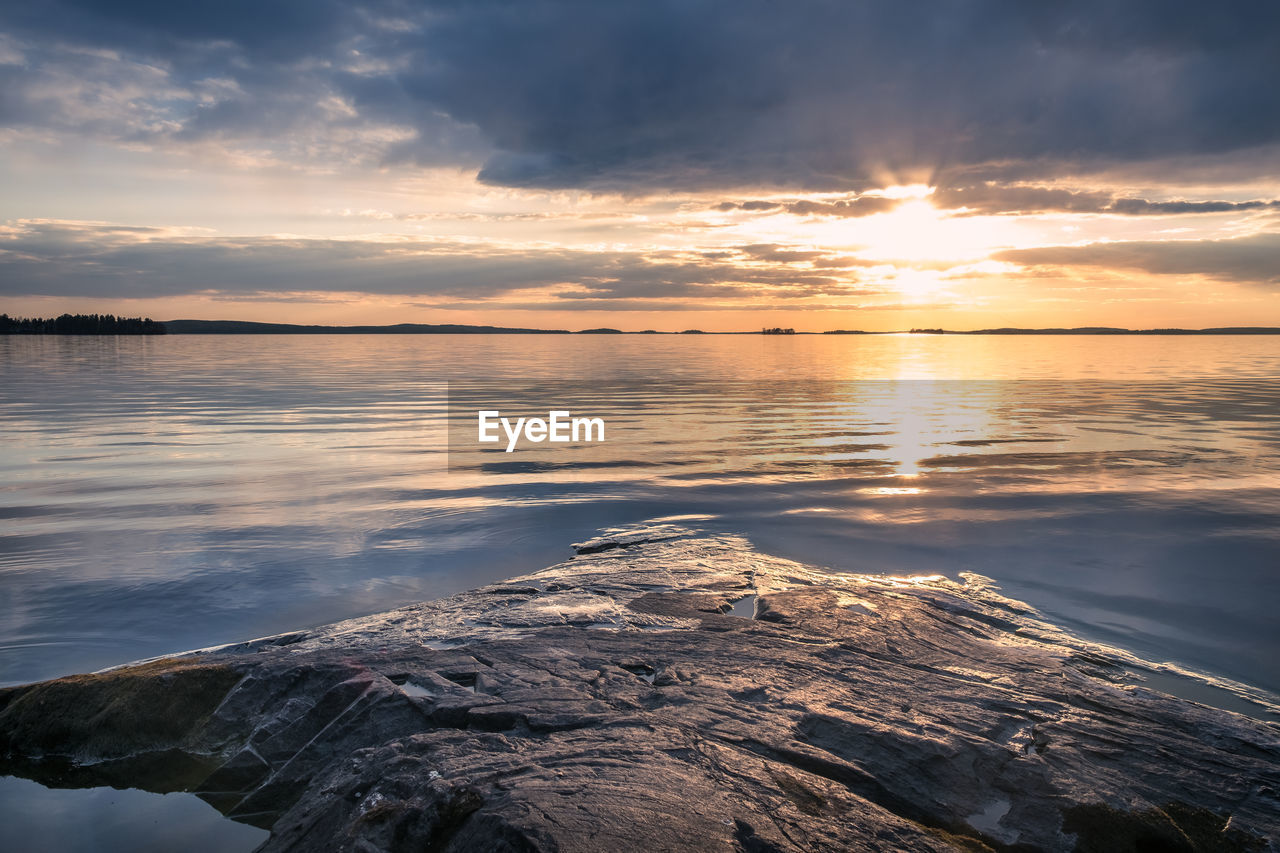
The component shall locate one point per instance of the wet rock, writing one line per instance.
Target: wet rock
(617, 702)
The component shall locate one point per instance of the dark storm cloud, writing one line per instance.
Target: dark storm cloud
(725, 93)
(823, 94)
(284, 30)
(88, 259)
(1247, 260)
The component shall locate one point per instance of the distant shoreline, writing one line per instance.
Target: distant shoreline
(225, 327)
(1085, 330)
(106, 324)
(241, 327)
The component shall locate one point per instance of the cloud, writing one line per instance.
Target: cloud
(990, 198)
(1139, 206)
(283, 30)
(780, 254)
(1251, 260)
(59, 258)
(853, 207)
(266, 91)
(669, 94)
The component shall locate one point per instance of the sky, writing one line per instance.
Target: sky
(667, 164)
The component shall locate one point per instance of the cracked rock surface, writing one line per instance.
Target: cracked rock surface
(616, 701)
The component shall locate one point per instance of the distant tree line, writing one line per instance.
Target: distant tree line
(80, 324)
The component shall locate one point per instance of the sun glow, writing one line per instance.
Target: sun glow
(917, 285)
(912, 232)
(905, 191)
(917, 231)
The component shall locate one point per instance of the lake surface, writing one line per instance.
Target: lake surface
(167, 493)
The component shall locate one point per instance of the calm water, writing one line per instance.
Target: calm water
(95, 820)
(159, 494)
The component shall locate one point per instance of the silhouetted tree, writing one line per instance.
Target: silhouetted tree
(80, 324)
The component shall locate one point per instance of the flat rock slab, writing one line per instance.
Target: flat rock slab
(621, 701)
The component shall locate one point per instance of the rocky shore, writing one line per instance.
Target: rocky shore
(666, 689)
